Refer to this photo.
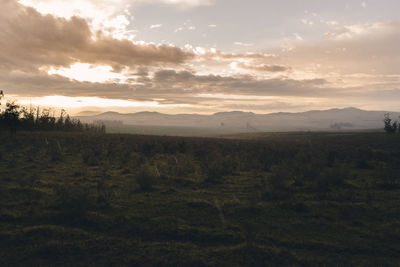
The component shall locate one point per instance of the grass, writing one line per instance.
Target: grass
(278, 199)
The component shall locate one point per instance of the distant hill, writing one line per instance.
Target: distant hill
(346, 119)
(87, 113)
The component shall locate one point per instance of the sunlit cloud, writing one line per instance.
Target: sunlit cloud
(84, 72)
(79, 102)
(154, 26)
(243, 44)
(105, 15)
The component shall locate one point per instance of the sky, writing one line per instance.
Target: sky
(201, 56)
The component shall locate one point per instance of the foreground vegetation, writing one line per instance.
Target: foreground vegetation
(290, 199)
(15, 118)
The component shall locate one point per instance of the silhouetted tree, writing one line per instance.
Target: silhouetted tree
(60, 120)
(28, 119)
(389, 126)
(1, 97)
(15, 117)
(10, 116)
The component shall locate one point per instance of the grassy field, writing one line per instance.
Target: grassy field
(71, 199)
(173, 130)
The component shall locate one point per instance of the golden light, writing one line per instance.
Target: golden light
(79, 102)
(85, 72)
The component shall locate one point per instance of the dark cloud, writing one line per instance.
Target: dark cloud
(166, 84)
(243, 84)
(41, 84)
(268, 106)
(262, 67)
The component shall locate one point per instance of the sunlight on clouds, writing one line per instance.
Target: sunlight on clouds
(154, 26)
(78, 102)
(117, 27)
(93, 8)
(186, 3)
(332, 60)
(105, 15)
(237, 97)
(67, 9)
(243, 44)
(84, 72)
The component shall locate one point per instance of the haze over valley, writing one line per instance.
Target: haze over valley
(347, 119)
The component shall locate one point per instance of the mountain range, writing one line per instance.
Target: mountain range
(347, 119)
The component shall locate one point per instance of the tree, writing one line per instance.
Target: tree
(390, 127)
(14, 117)
(11, 116)
(1, 96)
(60, 120)
(28, 119)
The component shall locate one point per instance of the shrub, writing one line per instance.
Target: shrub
(145, 177)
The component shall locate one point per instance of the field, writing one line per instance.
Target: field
(173, 130)
(299, 199)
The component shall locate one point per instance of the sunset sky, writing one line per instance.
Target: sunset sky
(201, 56)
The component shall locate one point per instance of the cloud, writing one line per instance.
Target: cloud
(307, 22)
(214, 54)
(165, 83)
(189, 82)
(178, 29)
(30, 40)
(155, 26)
(358, 30)
(42, 84)
(88, 8)
(370, 48)
(181, 3)
(352, 62)
(243, 44)
(113, 17)
(261, 67)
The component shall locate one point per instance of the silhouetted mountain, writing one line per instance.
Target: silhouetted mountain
(234, 113)
(237, 121)
(87, 113)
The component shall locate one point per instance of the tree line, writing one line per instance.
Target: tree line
(15, 117)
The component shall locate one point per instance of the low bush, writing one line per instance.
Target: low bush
(145, 177)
